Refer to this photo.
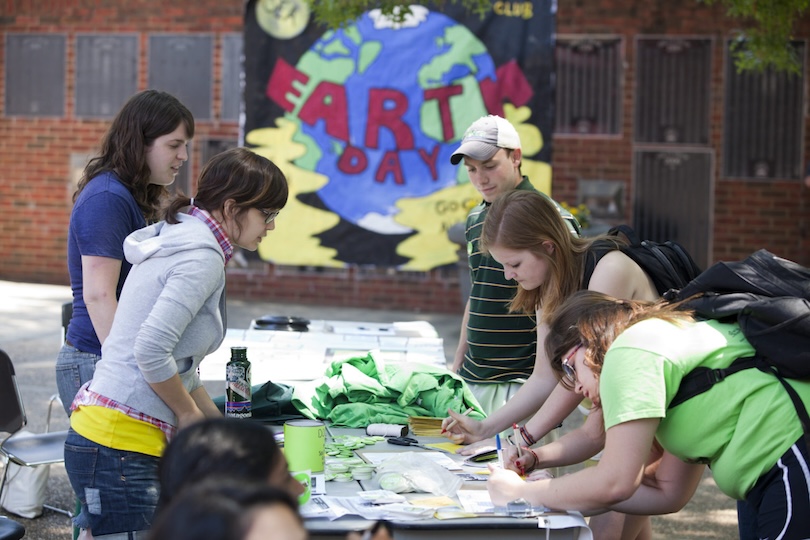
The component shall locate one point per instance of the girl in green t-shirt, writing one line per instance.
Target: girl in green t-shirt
(629, 358)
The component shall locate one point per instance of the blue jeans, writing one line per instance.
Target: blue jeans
(73, 369)
(118, 490)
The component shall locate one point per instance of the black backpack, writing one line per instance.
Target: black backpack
(668, 264)
(770, 299)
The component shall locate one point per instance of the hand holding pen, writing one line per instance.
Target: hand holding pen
(454, 421)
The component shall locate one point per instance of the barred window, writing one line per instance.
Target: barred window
(588, 85)
(762, 125)
(673, 92)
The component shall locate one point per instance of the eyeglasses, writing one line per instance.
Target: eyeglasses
(568, 366)
(269, 215)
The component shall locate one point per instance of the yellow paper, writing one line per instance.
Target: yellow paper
(433, 502)
(448, 446)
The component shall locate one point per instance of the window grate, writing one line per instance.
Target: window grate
(672, 199)
(588, 89)
(763, 122)
(673, 91)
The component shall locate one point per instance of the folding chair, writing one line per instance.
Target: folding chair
(25, 450)
(10, 529)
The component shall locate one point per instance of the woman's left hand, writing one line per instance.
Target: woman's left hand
(504, 485)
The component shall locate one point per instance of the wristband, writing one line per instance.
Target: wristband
(536, 459)
(527, 437)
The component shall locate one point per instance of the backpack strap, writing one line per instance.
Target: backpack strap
(656, 251)
(701, 379)
(598, 249)
(686, 260)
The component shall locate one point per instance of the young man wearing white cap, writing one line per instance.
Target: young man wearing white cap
(496, 348)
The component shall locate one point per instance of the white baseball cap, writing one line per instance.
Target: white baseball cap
(484, 137)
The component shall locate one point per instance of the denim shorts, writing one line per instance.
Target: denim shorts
(118, 490)
(73, 369)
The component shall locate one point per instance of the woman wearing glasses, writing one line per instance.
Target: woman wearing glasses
(170, 315)
(526, 234)
(629, 358)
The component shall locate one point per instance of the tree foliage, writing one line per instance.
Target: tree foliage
(763, 43)
(337, 13)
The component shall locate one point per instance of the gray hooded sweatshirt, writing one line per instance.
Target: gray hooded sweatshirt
(170, 315)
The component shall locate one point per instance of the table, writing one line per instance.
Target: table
(290, 357)
(560, 526)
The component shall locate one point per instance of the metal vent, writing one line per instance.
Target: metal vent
(35, 75)
(673, 199)
(763, 122)
(182, 65)
(588, 93)
(233, 76)
(106, 73)
(673, 91)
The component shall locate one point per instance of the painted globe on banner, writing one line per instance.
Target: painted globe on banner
(385, 107)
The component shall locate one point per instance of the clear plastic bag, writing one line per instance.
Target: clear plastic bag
(410, 471)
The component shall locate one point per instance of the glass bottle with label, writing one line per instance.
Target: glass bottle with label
(237, 380)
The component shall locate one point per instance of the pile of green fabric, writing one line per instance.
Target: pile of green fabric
(363, 390)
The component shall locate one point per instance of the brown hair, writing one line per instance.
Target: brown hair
(251, 180)
(524, 220)
(595, 320)
(144, 117)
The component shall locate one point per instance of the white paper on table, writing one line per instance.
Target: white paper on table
(476, 501)
(440, 458)
(335, 507)
(323, 506)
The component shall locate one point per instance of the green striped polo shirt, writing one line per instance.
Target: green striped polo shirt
(501, 345)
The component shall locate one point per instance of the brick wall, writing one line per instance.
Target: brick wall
(36, 188)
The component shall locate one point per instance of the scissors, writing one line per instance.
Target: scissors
(407, 441)
(410, 441)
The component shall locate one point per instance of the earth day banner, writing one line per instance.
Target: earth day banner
(363, 121)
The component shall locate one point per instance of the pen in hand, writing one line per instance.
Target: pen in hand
(500, 450)
(515, 440)
(454, 422)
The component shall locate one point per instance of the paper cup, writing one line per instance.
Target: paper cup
(304, 442)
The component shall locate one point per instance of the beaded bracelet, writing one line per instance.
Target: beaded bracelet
(527, 437)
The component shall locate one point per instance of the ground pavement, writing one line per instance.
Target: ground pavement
(30, 332)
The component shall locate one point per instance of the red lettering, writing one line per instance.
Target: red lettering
(352, 161)
(430, 160)
(281, 83)
(390, 165)
(385, 109)
(328, 103)
(442, 96)
(512, 86)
